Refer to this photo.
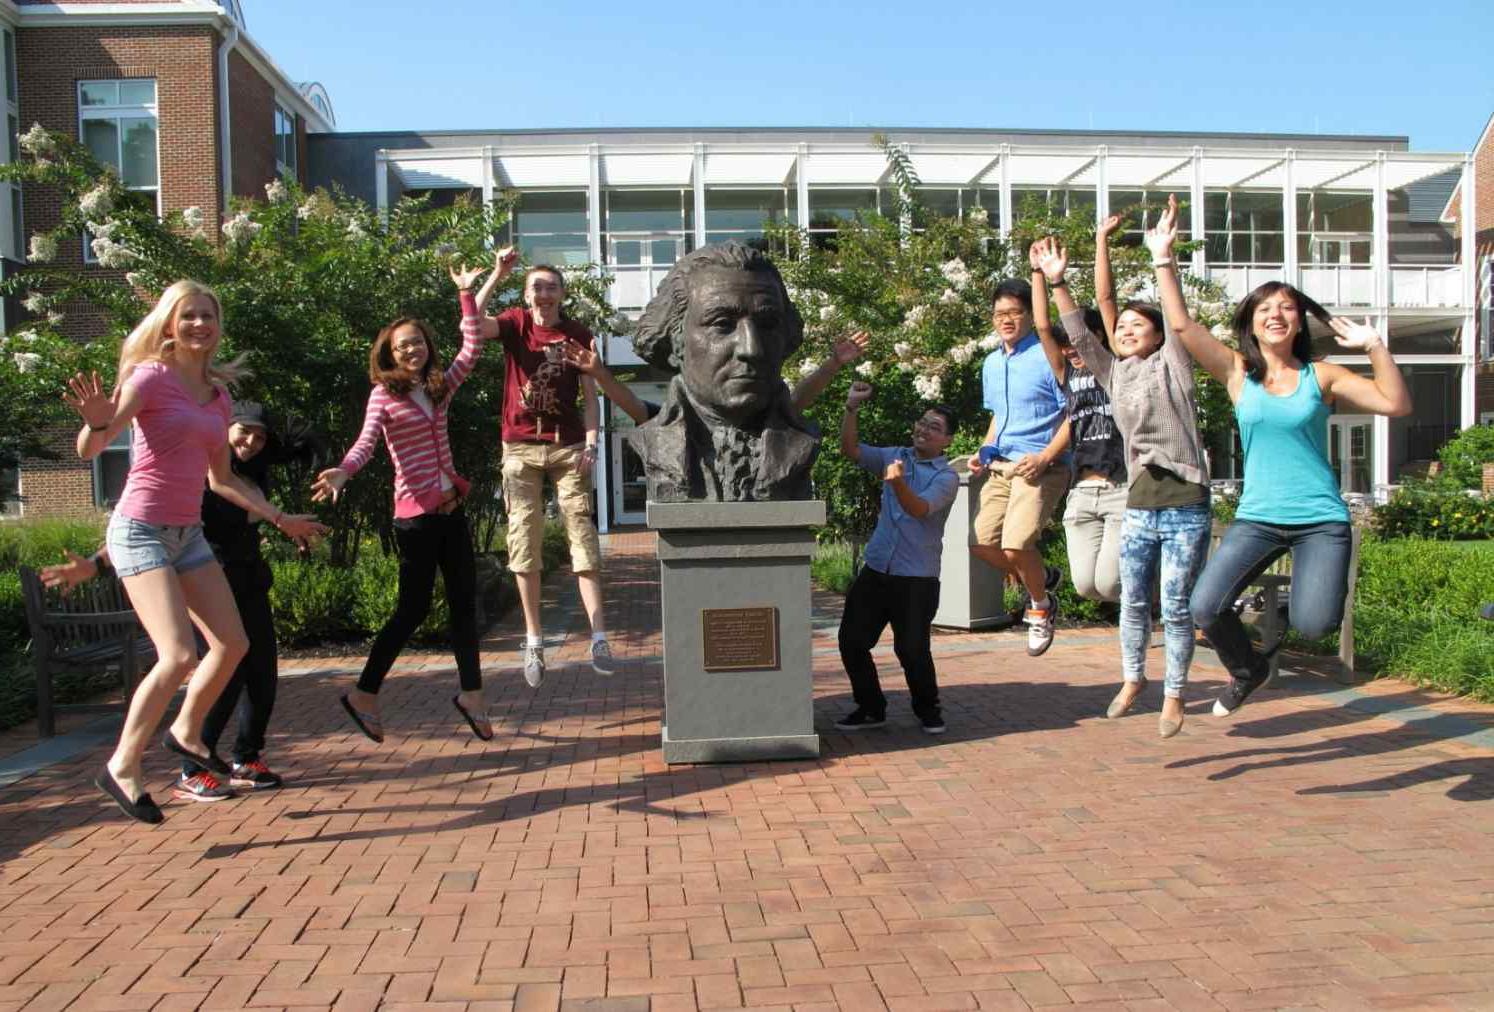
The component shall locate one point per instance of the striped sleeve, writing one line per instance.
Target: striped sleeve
(472, 342)
(368, 440)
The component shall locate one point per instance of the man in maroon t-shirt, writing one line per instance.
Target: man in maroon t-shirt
(547, 434)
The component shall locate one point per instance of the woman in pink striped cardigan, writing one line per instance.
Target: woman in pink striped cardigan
(407, 406)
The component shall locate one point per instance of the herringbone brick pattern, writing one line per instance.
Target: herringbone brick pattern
(1302, 855)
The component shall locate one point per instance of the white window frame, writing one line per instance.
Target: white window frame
(282, 167)
(12, 225)
(117, 113)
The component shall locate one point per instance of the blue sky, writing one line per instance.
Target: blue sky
(1375, 67)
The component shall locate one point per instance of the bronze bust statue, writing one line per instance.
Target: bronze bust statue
(728, 431)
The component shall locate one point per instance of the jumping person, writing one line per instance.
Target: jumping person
(899, 578)
(1095, 509)
(235, 539)
(1149, 378)
(1024, 454)
(1291, 500)
(175, 395)
(547, 434)
(408, 406)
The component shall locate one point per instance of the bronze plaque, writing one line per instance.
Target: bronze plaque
(740, 639)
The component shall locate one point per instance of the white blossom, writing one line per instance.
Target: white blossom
(37, 141)
(990, 341)
(306, 210)
(961, 354)
(902, 349)
(36, 302)
(135, 279)
(103, 229)
(827, 312)
(43, 248)
(97, 202)
(27, 336)
(112, 254)
(915, 316)
(956, 273)
(27, 361)
(356, 230)
(55, 318)
(806, 367)
(240, 228)
(275, 191)
(1223, 331)
(949, 297)
(928, 387)
(866, 369)
(192, 216)
(905, 366)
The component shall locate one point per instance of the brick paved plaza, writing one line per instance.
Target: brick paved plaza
(1327, 848)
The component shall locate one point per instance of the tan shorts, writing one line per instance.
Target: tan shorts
(1013, 510)
(525, 468)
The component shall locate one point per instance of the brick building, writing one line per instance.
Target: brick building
(180, 98)
(1483, 227)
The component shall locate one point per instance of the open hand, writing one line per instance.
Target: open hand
(505, 261)
(1053, 259)
(464, 277)
(1355, 336)
(894, 470)
(88, 399)
(328, 484)
(1161, 236)
(300, 527)
(859, 393)
(580, 357)
(69, 574)
(1109, 227)
(851, 348)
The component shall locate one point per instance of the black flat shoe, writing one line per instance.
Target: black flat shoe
(456, 701)
(208, 762)
(142, 809)
(358, 720)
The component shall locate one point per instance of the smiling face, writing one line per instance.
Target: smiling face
(1135, 335)
(195, 326)
(1010, 319)
(410, 349)
(1276, 320)
(734, 342)
(931, 435)
(544, 292)
(245, 440)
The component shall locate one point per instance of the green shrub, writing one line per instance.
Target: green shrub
(40, 542)
(1466, 454)
(314, 601)
(832, 567)
(1437, 509)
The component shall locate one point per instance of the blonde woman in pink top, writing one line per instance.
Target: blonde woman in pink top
(407, 407)
(176, 398)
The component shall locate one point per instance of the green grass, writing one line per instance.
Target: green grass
(831, 568)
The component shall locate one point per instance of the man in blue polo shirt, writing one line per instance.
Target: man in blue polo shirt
(899, 578)
(1025, 455)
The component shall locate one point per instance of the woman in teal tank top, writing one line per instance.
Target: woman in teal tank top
(1291, 501)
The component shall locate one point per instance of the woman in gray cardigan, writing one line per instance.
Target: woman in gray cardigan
(1150, 382)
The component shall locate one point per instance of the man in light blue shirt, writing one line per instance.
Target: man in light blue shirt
(899, 578)
(1025, 457)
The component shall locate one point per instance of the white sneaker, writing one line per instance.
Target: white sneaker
(1040, 627)
(602, 661)
(534, 665)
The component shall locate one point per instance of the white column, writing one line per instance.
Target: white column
(1289, 265)
(594, 203)
(801, 183)
(1200, 255)
(1381, 423)
(1381, 256)
(1469, 255)
(487, 175)
(1006, 190)
(600, 476)
(381, 184)
(698, 177)
(1102, 187)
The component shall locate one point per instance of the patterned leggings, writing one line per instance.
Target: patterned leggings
(1176, 541)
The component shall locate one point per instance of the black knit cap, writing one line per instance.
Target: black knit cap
(250, 413)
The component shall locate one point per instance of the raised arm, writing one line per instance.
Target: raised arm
(1383, 393)
(104, 417)
(589, 363)
(1104, 278)
(850, 440)
(1220, 361)
(472, 340)
(1053, 261)
(1042, 319)
(503, 266)
(846, 351)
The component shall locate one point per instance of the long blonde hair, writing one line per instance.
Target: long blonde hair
(148, 342)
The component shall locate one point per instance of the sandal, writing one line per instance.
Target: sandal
(370, 725)
(456, 701)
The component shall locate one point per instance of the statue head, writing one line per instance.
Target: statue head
(723, 319)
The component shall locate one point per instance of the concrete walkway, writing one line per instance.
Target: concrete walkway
(1326, 848)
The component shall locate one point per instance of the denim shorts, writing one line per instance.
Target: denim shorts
(136, 547)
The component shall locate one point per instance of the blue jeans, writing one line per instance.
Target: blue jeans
(1320, 582)
(1176, 540)
(136, 547)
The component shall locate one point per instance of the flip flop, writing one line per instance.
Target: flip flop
(208, 762)
(456, 701)
(142, 809)
(359, 718)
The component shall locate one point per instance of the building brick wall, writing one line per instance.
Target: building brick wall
(251, 101)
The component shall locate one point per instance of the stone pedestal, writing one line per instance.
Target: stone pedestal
(734, 584)
(970, 592)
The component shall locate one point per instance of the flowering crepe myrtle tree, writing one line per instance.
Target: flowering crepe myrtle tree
(307, 280)
(920, 284)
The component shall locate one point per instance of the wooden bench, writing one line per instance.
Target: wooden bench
(90, 628)
(1276, 582)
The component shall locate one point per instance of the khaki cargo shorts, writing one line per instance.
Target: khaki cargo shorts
(525, 468)
(1013, 510)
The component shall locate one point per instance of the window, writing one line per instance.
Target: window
(1244, 226)
(828, 208)
(1142, 208)
(10, 491)
(285, 141)
(1334, 228)
(110, 468)
(550, 228)
(12, 228)
(741, 214)
(117, 121)
(1060, 200)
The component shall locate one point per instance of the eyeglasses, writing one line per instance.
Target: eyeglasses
(930, 425)
(1015, 315)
